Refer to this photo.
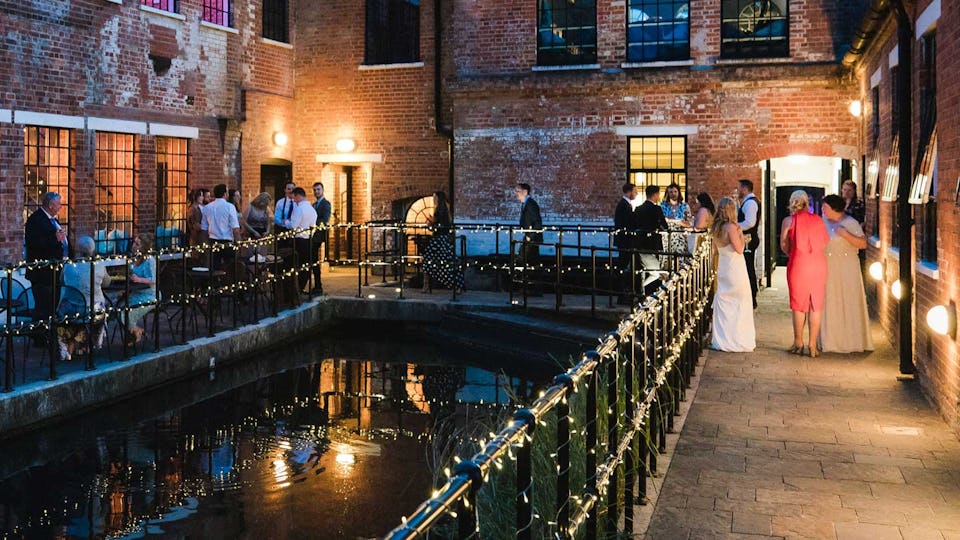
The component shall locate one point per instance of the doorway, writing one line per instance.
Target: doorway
(343, 242)
(274, 178)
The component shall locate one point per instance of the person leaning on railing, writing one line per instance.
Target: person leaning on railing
(74, 307)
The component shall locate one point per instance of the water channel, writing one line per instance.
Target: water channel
(331, 437)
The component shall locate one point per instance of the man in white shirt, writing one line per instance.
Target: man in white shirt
(303, 219)
(749, 221)
(220, 222)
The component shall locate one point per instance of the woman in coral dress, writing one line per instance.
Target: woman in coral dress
(803, 236)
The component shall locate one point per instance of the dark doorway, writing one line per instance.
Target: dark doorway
(343, 240)
(273, 178)
(783, 209)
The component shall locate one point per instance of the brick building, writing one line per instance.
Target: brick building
(935, 165)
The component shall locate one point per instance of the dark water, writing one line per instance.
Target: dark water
(316, 440)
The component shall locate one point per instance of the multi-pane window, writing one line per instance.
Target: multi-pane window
(172, 6)
(754, 28)
(172, 181)
(658, 30)
(46, 167)
(218, 12)
(567, 32)
(115, 195)
(894, 100)
(875, 118)
(658, 161)
(275, 20)
(924, 189)
(392, 32)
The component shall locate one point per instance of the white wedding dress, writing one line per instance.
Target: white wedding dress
(733, 329)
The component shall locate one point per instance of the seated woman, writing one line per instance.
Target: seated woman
(143, 271)
(75, 302)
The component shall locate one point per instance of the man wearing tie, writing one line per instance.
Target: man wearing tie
(283, 211)
(45, 240)
(322, 208)
(625, 225)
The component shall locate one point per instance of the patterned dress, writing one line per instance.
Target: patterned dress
(439, 257)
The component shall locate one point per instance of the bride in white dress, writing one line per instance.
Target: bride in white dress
(733, 329)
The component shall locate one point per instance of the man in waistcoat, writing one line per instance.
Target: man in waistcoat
(749, 217)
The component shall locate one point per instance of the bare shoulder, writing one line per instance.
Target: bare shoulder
(787, 221)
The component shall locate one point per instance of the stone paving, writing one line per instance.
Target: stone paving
(781, 446)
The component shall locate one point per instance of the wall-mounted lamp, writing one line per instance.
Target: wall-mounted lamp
(856, 108)
(897, 289)
(346, 145)
(943, 320)
(876, 271)
(280, 138)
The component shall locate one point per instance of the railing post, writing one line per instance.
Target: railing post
(91, 314)
(629, 462)
(593, 380)
(525, 475)
(186, 303)
(613, 433)
(652, 348)
(156, 303)
(209, 288)
(593, 281)
(467, 524)
(126, 309)
(512, 263)
(644, 434)
(7, 335)
(557, 293)
(563, 455)
(611, 282)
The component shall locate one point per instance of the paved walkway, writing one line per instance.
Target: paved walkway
(777, 445)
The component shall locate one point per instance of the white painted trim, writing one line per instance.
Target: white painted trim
(117, 126)
(349, 159)
(6, 116)
(928, 18)
(893, 59)
(874, 241)
(674, 63)
(667, 129)
(117, 2)
(399, 65)
(170, 130)
(28, 118)
(575, 67)
(163, 13)
(876, 78)
(893, 253)
(928, 269)
(275, 43)
(213, 26)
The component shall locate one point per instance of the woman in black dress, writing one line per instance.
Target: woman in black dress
(439, 257)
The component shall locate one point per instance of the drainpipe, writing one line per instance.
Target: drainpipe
(443, 131)
(904, 209)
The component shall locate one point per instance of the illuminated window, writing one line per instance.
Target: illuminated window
(46, 167)
(754, 28)
(658, 30)
(392, 32)
(218, 12)
(115, 196)
(567, 32)
(171, 6)
(658, 161)
(172, 181)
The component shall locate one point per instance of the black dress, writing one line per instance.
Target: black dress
(439, 257)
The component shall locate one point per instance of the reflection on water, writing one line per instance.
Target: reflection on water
(334, 449)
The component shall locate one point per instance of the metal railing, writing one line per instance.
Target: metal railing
(645, 366)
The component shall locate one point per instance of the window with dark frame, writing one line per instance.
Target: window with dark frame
(392, 32)
(173, 177)
(218, 12)
(925, 184)
(276, 20)
(170, 6)
(567, 32)
(894, 100)
(875, 111)
(658, 30)
(115, 195)
(658, 161)
(754, 28)
(47, 167)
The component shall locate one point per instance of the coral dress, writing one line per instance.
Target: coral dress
(807, 268)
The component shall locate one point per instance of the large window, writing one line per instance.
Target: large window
(115, 197)
(275, 20)
(754, 28)
(924, 188)
(172, 180)
(392, 32)
(658, 161)
(171, 6)
(567, 32)
(894, 100)
(46, 167)
(658, 30)
(218, 12)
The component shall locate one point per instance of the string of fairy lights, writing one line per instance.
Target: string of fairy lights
(681, 304)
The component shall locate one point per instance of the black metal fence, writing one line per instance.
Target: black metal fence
(643, 368)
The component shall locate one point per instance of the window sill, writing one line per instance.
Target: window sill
(755, 61)
(214, 26)
(573, 67)
(893, 253)
(161, 12)
(282, 45)
(874, 241)
(666, 63)
(398, 65)
(928, 269)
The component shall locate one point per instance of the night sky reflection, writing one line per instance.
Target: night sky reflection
(336, 449)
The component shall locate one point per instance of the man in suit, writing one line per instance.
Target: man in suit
(322, 208)
(624, 223)
(46, 240)
(283, 211)
(650, 221)
(749, 217)
(530, 221)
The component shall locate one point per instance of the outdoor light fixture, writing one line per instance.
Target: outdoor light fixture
(280, 138)
(943, 320)
(856, 108)
(873, 167)
(344, 458)
(897, 289)
(876, 271)
(346, 145)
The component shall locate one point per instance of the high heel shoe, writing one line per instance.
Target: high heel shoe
(796, 349)
(815, 352)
